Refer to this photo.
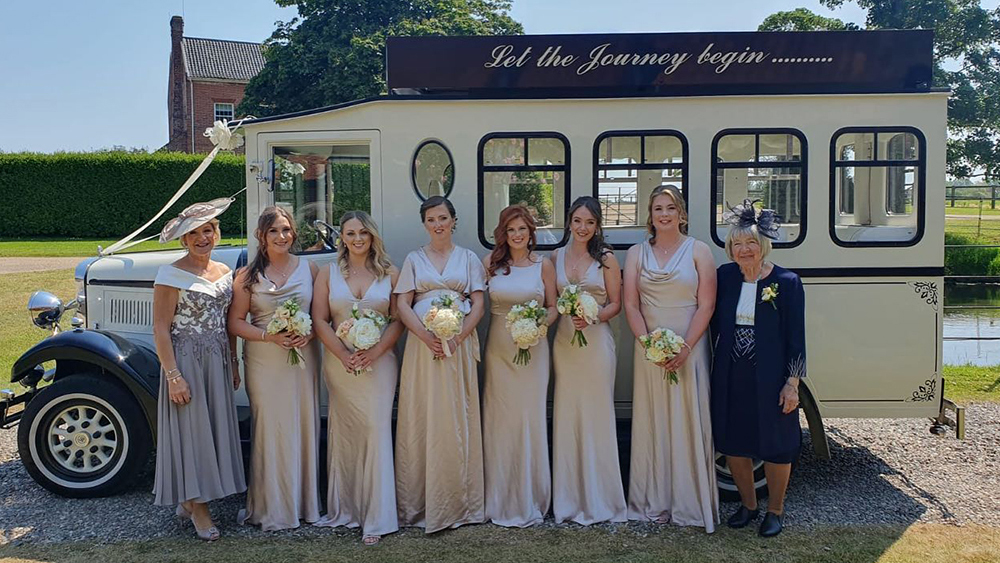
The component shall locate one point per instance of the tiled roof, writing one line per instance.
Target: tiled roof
(222, 60)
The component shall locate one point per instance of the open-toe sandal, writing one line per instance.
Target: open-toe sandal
(208, 534)
(371, 540)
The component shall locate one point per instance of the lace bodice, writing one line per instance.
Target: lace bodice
(201, 305)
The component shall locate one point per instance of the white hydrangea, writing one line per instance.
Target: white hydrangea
(525, 333)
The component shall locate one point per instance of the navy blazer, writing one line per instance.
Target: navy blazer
(780, 351)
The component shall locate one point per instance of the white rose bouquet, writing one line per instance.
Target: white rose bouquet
(661, 345)
(527, 327)
(578, 303)
(363, 330)
(289, 317)
(444, 318)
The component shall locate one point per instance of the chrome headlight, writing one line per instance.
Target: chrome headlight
(45, 309)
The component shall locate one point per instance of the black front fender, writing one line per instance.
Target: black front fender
(102, 353)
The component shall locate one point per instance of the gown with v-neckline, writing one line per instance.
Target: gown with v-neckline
(361, 486)
(586, 476)
(284, 408)
(672, 468)
(439, 451)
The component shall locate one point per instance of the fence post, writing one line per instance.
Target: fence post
(979, 223)
(993, 197)
(952, 196)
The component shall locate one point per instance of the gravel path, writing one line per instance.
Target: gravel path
(890, 471)
(19, 265)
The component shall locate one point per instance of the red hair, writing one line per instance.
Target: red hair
(501, 252)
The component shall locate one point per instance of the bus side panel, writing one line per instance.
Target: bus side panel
(873, 347)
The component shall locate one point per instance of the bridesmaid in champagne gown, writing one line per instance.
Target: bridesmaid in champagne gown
(439, 447)
(587, 482)
(361, 488)
(284, 405)
(515, 444)
(672, 471)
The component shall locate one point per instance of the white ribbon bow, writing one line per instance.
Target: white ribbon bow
(224, 139)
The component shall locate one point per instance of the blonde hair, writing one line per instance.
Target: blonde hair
(215, 227)
(675, 195)
(750, 231)
(378, 259)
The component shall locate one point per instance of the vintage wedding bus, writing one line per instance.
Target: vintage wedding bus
(841, 132)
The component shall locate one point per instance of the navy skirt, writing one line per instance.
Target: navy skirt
(741, 435)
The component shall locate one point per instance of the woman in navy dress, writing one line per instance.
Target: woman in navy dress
(759, 326)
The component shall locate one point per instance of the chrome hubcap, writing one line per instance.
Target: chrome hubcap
(82, 439)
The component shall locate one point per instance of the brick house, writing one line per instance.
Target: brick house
(206, 83)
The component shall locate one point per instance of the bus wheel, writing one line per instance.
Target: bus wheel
(83, 436)
(727, 487)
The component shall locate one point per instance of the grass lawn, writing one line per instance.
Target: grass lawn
(972, 383)
(924, 543)
(17, 333)
(10, 248)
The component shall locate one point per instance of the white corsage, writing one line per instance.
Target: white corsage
(769, 295)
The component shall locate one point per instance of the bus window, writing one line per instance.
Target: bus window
(877, 186)
(531, 169)
(628, 165)
(321, 183)
(766, 165)
(433, 172)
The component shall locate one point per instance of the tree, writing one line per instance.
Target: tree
(334, 51)
(966, 59)
(801, 19)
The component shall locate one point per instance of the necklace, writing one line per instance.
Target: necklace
(760, 274)
(284, 274)
(438, 252)
(666, 252)
(576, 263)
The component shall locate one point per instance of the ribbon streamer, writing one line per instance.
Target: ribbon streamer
(224, 139)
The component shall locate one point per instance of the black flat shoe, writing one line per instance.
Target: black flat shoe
(771, 526)
(742, 517)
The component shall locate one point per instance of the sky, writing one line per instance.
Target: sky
(92, 74)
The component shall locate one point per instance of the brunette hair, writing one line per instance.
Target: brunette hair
(500, 257)
(377, 261)
(675, 195)
(596, 246)
(267, 218)
(435, 201)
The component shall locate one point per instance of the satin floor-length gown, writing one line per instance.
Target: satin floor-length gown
(284, 407)
(587, 481)
(361, 487)
(672, 471)
(439, 446)
(515, 445)
(198, 454)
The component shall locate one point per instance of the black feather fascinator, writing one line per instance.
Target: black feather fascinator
(746, 215)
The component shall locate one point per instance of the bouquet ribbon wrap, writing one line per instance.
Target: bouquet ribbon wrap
(422, 303)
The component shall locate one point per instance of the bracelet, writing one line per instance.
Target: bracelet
(174, 379)
(263, 334)
(169, 371)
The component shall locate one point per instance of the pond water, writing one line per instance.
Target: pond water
(974, 323)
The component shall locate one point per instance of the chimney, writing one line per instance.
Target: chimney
(176, 30)
(176, 117)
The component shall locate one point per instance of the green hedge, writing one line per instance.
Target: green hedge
(969, 261)
(83, 195)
